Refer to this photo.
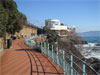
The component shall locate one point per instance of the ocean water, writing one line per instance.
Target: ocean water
(92, 39)
(92, 49)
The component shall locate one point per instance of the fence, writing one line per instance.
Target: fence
(71, 64)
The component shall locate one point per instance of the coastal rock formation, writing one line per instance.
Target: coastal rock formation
(78, 41)
(69, 45)
(95, 63)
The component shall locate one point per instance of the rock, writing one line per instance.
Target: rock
(94, 63)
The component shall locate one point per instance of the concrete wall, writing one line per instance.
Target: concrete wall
(8, 35)
(1, 45)
(26, 31)
(63, 32)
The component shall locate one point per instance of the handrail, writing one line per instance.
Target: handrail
(60, 58)
(28, 39)
(83, 62)
(83, 67)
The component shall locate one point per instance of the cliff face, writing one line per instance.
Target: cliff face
(69, 45)
(95, 63)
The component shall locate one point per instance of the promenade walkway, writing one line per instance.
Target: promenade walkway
(22, 60)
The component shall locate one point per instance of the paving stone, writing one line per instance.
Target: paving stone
(15, 61)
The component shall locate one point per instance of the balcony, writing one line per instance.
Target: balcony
(58, 27)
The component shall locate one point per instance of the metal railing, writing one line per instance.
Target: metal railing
(29, 40)
(71, 64)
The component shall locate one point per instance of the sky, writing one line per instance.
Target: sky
(83, 14)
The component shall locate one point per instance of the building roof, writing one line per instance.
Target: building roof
(53, 20)
(56, 27)
(33, 26)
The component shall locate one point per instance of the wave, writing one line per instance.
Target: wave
(89, 50)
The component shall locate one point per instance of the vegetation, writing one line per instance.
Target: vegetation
(21, 20)
(40, 31)
(3, 20)
(52, 37)
(77, 40)
(11, 20)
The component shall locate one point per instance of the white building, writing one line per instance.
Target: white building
(55, 24)
(61, 30)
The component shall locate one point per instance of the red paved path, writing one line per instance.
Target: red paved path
(22, 60)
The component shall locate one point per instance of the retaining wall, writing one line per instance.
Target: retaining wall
(1, 45)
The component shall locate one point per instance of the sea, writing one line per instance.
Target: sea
(92, 49)
(92, 39)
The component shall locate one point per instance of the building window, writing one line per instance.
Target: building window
(54, 23)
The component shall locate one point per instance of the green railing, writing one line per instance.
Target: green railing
(30, 42)
(71, 64)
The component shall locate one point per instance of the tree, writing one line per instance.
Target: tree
(15, 18)
(3, 20)
(11, 19)
(12, 11)
(21, 20)
(52, 37)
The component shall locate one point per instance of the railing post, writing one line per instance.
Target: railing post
(52, 54)
(48, 49)
(57, 56)
(83, 68)
(38, 43)
(64, 61)
(44, 48)
(41, 44)
(71, 58)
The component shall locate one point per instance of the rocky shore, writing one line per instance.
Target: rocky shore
(94, 63)
(69, 45)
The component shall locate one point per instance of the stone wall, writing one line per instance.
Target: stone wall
(64, 32)
(1, 45)
(8, 35)
(27, 31)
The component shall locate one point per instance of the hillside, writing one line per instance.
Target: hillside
(90, 34)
